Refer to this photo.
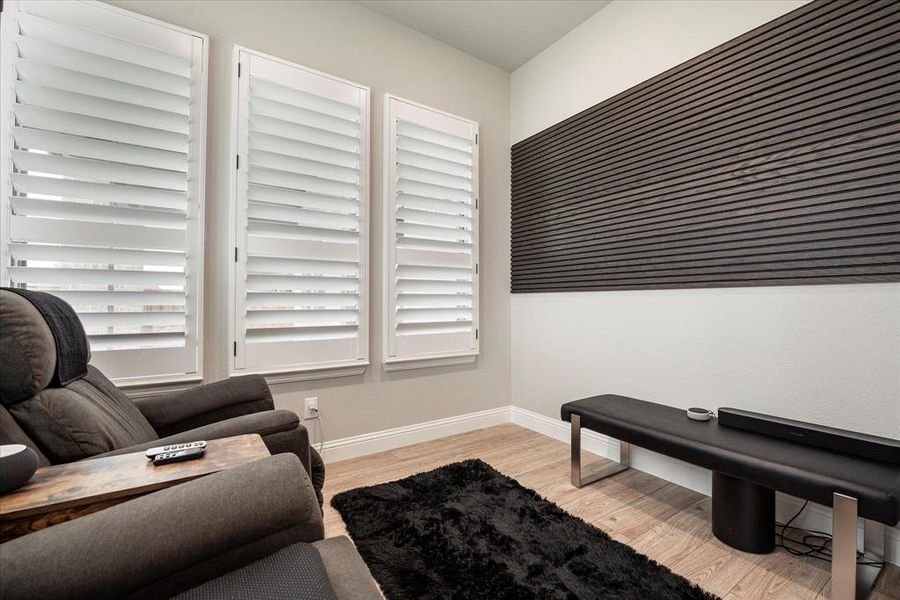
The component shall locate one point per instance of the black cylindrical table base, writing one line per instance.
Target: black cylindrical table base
(743, 514)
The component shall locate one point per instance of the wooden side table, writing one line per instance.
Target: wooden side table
(63, 492)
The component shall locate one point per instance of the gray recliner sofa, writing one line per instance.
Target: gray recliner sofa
(253, 532)
(53, 401)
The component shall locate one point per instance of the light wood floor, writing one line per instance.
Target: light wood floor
(668, 523)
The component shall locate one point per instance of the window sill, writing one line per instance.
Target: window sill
(324, 372)
(425, 362)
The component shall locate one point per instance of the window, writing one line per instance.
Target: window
(300, 274)
(431, 233)
(103, 116)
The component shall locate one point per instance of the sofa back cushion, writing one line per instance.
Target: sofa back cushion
(11, 433)
(87, 417)
(27, 349)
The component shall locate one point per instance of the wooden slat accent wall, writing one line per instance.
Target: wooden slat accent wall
(773, 159)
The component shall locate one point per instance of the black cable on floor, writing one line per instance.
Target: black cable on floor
(820, 550)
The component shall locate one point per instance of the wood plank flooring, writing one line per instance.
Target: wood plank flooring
(668, 523)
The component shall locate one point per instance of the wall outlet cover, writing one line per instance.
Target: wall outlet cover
(311, 408)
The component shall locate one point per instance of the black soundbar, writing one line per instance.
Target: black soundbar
(840, 440)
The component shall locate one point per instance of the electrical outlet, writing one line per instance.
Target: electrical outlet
(311, 408)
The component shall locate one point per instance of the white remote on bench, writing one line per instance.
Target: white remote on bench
(152, 452)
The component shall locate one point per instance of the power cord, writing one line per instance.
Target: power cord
(320, 432)
(815, 544)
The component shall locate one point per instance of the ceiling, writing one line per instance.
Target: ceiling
(505, 33)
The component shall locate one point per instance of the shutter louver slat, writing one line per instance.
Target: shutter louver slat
(432, 191)
(126, 300)
(301, 199)
(282, 146)
(93, 106)
(302, 183)
(305, 117)
(83, 147)
(110, 235)
(303, 166)
(435, 178)
(97, 213)
(72, 81)
(103, 183)
(103, 129)
(99, 170)
(303, 133)
(103, 192)
(440, 165)
(102, 66)
(431, 290)
(54, 276)
(269, 90)
(436, 151)
(77, 38)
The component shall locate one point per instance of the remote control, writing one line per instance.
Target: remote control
(151, 452)
(178, 456)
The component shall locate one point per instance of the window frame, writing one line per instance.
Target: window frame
(389, 168)
(196, 172)
(237, 239)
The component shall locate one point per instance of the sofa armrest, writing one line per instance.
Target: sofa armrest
(163, 543)
(205, 404)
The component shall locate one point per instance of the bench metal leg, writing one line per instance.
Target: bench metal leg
(578, 480)
(849, 581)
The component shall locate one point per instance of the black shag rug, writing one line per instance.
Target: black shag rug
(465, 531)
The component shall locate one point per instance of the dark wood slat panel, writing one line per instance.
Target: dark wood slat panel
(764, 125)
(816, 237)
(805, 93)
(695, 276)
(871, 233)
(887, 102)
(885, 259)
(696, 198)
(722, 57)
(725, 87)
(716, 139)
(872, 115)
(773, 159)
(713, 253)
(748, 229)
(721, 283)
(644, 98)
(809, 187)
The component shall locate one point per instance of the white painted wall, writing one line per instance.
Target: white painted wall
(353, 42)
(827, 354)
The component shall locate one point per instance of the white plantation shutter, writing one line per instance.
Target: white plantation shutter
(300, 219)
(102, 181)
(431, 232)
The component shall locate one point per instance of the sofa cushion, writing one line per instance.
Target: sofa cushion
(11, 433)
(73, 353)
(87, 417)
(27, 349)
(349, 575)
(295, 572)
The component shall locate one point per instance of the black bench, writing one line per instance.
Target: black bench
(747, 469)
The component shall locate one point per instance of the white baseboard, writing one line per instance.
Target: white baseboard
(389, 439)
(815, 517)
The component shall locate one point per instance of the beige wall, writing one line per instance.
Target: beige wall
(350, 41)
(827, 354)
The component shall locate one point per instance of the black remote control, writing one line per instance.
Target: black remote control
(178, 456)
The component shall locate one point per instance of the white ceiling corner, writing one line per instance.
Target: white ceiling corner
(505, 33)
